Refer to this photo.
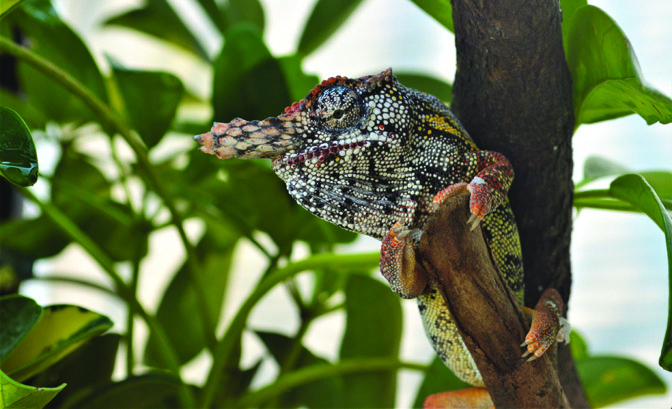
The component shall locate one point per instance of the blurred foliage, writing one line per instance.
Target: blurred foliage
(112, 215)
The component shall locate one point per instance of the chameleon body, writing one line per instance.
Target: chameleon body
(377, 158)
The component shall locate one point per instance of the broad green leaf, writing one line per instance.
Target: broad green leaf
(14, 395)
(325, 19)
(251, 11)
(430, 85)
(36, 238)
(634, 190)
(137, 392)
(325, 393)
(47, 34)
(77, 371)
(248, 82)
(34, 118)
(18, 315)
(439, 10)
(660, 181)
(179, 311)
(438, 378)
(578, 346)
(597, 167)
(18, 158)
(88, 202)
(569, 7)
(606, 77)
(610, 379)
(158, 19)
(373, 329)
(150, 99)
(6, 6)
(61, 330)
(299, 83)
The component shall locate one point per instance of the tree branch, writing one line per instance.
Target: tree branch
(513, 93)
(485, 311)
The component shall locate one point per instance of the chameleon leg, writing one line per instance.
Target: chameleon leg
(472, 398)
(488, 188)
(548, 325)
(397, 261)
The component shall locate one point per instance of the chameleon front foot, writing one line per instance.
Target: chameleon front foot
(548, 325)
(397, 261)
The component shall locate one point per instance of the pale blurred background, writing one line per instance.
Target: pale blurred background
(619, 295)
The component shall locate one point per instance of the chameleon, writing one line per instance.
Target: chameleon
(378, 158)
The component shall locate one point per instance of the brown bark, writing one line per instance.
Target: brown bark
(485, 312)
(512, 92)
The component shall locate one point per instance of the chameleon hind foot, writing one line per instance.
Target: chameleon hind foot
(472, 398)
(548, 325)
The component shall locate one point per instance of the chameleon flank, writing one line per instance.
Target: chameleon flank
(377, 158)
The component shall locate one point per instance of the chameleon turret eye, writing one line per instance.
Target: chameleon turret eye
(338, 107)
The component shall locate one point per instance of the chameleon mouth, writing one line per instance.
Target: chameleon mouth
(343, 148)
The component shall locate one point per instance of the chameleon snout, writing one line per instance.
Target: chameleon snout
(269, 138)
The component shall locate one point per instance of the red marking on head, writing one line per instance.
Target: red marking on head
(295, 107)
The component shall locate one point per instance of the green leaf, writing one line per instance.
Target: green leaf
(568, 8)
(114, 226)
(597, 167)
(77, 371)
(6, 6)
(373, 329)
(35, 238)
(150, 99)
(430, 85)
(137, 392)
(578, 346)
(47, 35)
(18, 158)
(438, 378)
(325, 393)
(158, 19)
(605, 72)
(178, 311)
(611, 379)
(439, 10)
(325, 19)
(660, 181)
(248, 82)
(61, 330)
(250, 11)
(299, 83)
(14, 395)
(635, 190)
(18, 315)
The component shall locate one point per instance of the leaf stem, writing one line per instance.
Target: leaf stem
(316, 372)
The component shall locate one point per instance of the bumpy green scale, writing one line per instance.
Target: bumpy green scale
(367, 153)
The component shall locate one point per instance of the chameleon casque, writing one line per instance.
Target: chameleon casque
(378, 158)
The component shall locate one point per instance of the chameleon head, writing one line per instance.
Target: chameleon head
(329, 145)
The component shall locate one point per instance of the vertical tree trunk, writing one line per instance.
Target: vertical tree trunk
(513, 94)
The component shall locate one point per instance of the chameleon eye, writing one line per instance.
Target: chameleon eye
(338, 107)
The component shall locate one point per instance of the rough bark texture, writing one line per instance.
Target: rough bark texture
(513, 94)
(485, 312)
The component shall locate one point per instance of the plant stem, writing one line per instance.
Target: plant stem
(109, 119)
(231, 338)
(310, 374)
(130, 315)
